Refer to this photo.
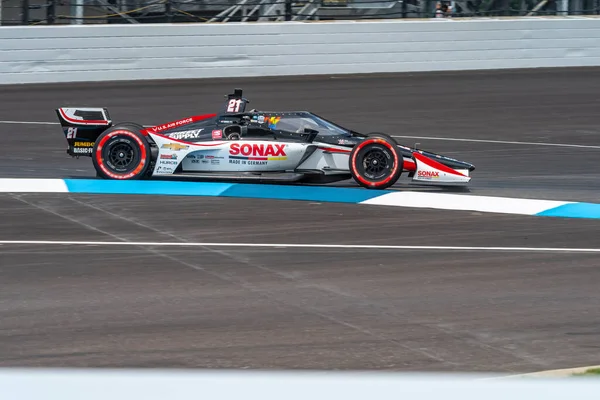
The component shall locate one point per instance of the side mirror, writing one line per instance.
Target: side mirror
(312, 134)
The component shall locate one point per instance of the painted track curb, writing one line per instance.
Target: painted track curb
(553, 373)
(441, 201)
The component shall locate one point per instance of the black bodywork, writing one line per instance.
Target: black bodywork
(81, 138)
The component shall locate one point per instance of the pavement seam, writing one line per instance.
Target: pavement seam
(269, 294)
(456, 335)
(435, 327)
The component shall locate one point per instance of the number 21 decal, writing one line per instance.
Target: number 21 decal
(71, 133)
(234, 105)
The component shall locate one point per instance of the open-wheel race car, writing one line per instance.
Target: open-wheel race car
(235, 144)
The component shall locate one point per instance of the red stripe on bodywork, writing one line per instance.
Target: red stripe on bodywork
(334, 150)
(192, 143)
(82, 121)
(195, 118)
(410, 165)
(435, 164)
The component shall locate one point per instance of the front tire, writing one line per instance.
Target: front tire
(376, 162)
(122, 153)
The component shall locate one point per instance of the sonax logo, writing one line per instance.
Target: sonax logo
(258, 152)
(428, 174)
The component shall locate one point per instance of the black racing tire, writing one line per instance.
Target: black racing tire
(376, 162)
(153, 146)
(122, 153)
(132, 125)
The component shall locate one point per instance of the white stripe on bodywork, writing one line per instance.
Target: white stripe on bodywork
(502, 205)
(16, 185)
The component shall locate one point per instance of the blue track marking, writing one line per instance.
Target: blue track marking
(98, 186)
(308, 193)
(302, 193)
(575, 210)
(280, 192)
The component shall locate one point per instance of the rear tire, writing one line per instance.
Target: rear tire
(122, 152)
(376, 162)
(129, 125)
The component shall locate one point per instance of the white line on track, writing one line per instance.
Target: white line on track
(29, 123)
(44, 123)
(299, 245)
(582, 146)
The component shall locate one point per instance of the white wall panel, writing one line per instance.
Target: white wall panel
(171, 51)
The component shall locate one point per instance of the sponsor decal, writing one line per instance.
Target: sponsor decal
(215, 162)
(256, 154)
(225, 121)
(217, 134)
(168, 156)
(345, 141)
(167, 170)
(83, 144)
(174, 146)
(170, 125)
(272, 121)
(335, 2)
(195, 159)
(83, 150)
(428, 174)
(163, 162)
(262, 119)
(186, 134)
(258, 151)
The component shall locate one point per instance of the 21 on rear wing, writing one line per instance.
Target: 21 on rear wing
(82, 126)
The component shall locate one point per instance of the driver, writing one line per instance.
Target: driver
(296, 125)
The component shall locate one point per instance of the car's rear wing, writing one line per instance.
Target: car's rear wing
(82, 126)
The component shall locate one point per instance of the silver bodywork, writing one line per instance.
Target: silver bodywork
(247, 156)
(278, 156)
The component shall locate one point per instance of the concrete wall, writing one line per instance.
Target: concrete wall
(162, 51)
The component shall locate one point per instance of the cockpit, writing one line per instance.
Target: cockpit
(298, 122)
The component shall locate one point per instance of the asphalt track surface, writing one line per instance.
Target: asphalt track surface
(241, 307)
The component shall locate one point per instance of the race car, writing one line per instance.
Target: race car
(235, 144)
